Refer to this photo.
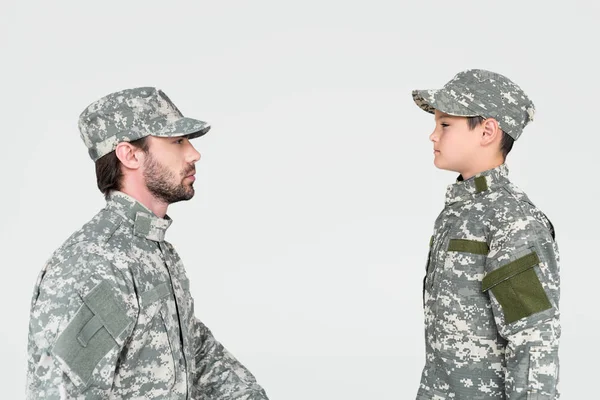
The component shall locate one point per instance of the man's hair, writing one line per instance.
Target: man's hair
(507, 142)
(108, 169)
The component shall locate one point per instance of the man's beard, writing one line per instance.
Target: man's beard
(162, 183)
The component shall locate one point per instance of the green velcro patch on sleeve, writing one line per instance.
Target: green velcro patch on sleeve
(517, 288)
(92, 333)
(509, 270)
(89, 330)
(109, 307)
(468, 246)
(81, 360)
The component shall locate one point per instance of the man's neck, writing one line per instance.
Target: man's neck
(158, 207)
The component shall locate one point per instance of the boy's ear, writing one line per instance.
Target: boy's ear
(491, 131)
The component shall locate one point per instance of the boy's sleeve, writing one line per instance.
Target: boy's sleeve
(522, 280)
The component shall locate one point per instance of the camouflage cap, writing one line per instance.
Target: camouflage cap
(477, 92)
(132, 114)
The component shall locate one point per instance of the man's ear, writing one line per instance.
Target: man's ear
(491, 132)
(129, 155)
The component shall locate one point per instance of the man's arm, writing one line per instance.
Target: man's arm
(80, 320)
(218, 374)
(523, 283)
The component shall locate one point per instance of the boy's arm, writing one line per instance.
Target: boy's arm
(523, 284)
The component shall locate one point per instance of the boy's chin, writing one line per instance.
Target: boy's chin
(445, 167)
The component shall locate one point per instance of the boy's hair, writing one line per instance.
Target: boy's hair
(507, 141)
(108, 169)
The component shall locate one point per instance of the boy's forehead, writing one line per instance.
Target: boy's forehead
(439, 114)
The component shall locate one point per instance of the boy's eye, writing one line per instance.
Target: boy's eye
(444, 124)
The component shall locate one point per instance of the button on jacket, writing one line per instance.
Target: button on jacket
(112, 317)
(491, 295)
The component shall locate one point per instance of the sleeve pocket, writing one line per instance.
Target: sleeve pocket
(517, 288)
(543, 371)
(94, 331)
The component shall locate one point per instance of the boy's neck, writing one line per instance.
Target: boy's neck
(471, 172)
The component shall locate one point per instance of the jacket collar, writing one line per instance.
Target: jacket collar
(482, 182)
(145, 223)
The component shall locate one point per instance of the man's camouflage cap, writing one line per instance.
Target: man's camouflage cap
(477, 92)
(132, 114)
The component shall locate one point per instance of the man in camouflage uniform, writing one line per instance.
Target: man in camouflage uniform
(112, 315)
(491, 290)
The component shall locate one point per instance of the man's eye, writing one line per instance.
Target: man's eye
(179, 141)
(444, 124)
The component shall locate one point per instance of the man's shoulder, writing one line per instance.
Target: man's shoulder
(101, 240)
(106, 230)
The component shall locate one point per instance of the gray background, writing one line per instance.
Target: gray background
(316, 193)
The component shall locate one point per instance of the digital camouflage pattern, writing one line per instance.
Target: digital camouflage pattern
(478, 92)
(491, 296)
(112, 317)
(132, 114)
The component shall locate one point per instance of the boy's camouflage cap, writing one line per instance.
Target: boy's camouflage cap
(132, 114)
(477, 92)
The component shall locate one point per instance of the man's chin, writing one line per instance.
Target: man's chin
(189, 193)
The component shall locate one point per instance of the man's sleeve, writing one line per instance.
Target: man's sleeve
(81, 319)
(522, 279)
(218, 374)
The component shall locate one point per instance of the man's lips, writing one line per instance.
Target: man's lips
(191, 175)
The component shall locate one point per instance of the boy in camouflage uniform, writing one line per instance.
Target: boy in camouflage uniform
(491, 289)
(112, 315)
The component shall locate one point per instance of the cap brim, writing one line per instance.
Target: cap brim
(424, 99)
(190, 127)
(439, 99)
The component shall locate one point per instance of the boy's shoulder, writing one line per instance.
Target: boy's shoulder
(512, 206)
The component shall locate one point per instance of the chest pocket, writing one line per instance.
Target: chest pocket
(464, 261)
(460, 287)
(187, 308)
(157, 351)
(435, 257)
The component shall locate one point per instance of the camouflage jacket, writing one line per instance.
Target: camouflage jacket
(112, 317)
(491, 295)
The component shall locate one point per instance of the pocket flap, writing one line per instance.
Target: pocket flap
(158, 292)
(109, 308)
(509, 270)
(93, 333)
(89, 330)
